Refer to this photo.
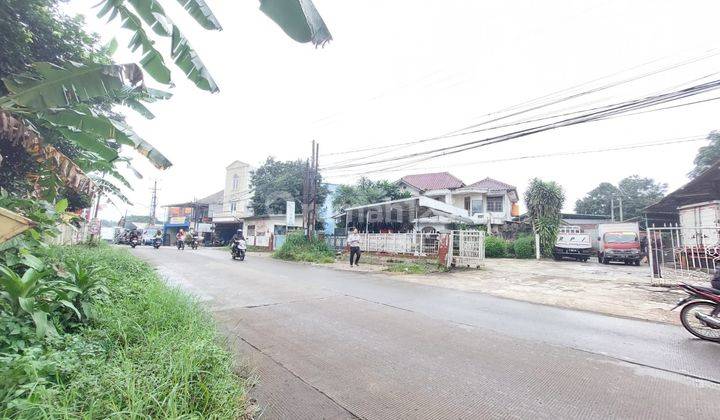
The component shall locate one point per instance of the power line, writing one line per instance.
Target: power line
(545, 155)
(618, 108)
(463, 131)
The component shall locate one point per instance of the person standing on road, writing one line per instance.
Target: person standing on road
(354, 243)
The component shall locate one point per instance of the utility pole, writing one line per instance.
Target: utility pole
(612, 208)
(310, 191)
(153, 203)
(621, 209)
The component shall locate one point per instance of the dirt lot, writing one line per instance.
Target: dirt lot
(614, 289)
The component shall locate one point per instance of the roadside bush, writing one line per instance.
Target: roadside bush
(143, 350)
(495, 247)
(298, 248)
(510, 248)
(524, 247)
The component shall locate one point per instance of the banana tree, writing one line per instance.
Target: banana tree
(61, 98)
(57, 97)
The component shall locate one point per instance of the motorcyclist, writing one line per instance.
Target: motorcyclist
(133, 235)
(238, 240)
(180, 237)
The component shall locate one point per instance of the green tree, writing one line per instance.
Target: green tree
(597, 201)
(638, 193)
(366, 191)
(73, 100)
(276, 182)
(544, 201)
(706, 155)
(635, 192)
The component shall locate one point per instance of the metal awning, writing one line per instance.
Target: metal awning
(423, 204)
(705, 187)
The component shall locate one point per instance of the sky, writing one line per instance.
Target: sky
(402, 70)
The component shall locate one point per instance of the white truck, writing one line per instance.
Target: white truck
(619, 242)
(572, 243)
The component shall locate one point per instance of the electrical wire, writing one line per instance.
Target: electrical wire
(464, 131)
(618, 108)
(665, 142)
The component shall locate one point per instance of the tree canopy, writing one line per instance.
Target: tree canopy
(706, 155)
(276, 182)
(636, 193)
(366, 191)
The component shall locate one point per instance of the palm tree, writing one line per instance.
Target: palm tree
(544, 201)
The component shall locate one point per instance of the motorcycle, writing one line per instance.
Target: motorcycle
(238, 250)
(194, 242)
(156, 243)
(180, 244)
(134, 242)
(700, 314)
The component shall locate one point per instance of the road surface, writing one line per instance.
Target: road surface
(332, 344)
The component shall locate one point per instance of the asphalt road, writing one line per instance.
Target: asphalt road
(331, 344)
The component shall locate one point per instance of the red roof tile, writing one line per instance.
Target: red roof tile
(434, 181)
(491, 184)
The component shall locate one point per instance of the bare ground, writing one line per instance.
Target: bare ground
(614, 289)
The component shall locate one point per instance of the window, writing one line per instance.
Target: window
(467, 203)
(235, 182)
(476, 206)
(251, 230)
(233, 206)
(495, 204)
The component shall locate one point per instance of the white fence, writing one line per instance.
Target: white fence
(260, 240)
(400, 243)
(683, 252)
(468, 248)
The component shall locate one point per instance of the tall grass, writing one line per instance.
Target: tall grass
(152, 352)
(297, 247)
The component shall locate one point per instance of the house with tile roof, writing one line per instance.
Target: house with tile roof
(438, 201)
(487, 201)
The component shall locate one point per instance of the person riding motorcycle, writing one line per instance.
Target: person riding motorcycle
(238, 241)
(180, 237)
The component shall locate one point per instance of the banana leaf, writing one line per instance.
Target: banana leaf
(52, 86)
(84, 119)
(202, 14)
(299, 19)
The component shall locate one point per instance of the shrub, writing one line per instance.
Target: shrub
(495, 247)
(524, 247)
(148, 351)
(298, 248)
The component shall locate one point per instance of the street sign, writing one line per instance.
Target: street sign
(290, 213)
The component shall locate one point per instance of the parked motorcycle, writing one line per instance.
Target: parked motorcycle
(134, 242)
(700, 314)
(156, 243)
(238, 250)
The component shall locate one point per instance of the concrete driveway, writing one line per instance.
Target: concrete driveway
(330, 344)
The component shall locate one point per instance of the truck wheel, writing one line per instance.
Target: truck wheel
(637, 262)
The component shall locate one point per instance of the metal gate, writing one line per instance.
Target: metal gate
(683, 252)
(468, 248)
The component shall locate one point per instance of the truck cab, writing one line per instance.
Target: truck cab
(619, 242)
(572, 243)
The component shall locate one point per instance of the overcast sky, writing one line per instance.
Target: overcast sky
(404, 70)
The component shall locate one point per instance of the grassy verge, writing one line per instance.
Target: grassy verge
(151, 352)
(415, 267)
(298, 248)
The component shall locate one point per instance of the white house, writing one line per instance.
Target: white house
(445, 201)
(487, 201)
